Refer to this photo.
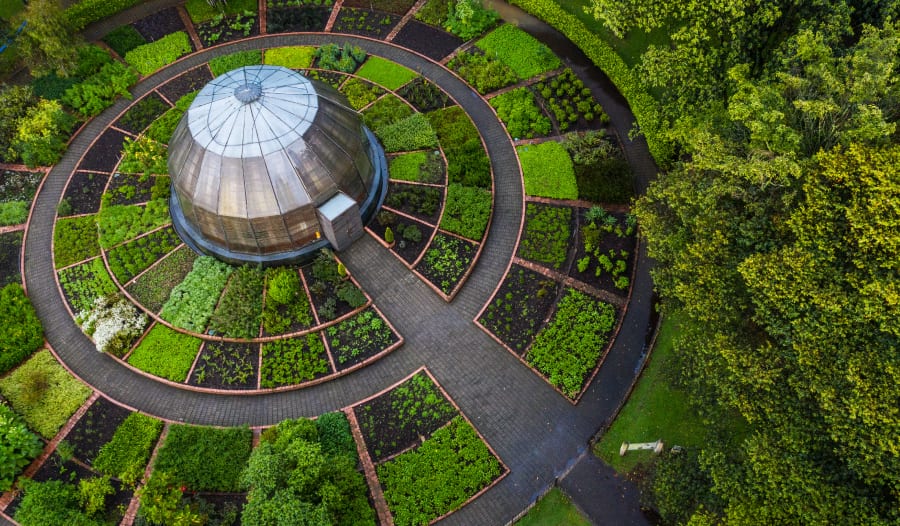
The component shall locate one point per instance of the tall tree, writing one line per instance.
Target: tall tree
(48, 43)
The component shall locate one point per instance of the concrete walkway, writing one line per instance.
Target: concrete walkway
(536, 432)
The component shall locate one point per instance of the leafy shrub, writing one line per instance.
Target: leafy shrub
(13, 213)
(547, 170)
(360, 93)
(14, 104)
(523, 53)
(345, 59)
(84, 12)
(569, 100)
(546, 236)
(567, 349)
(86, 282)
(240, 308)
(127, 453)
(42, 133)
(411, 133)
(118, 223)
(293, 57)
(99, 91)
(424, 483)
(468, 18)
(359, 336)
(286, 301)
(203, 10)
(44, 393)
(467, 162)
(485, 73)
(144, 156)
(21, 333)
(305, 473)
(601, 171)
(18, 446)
(386, 111)
(150, 57)
(520, 113)
(123, 39)
(224, 64)
(74, 240)
(205, 458)
(293, 360)
(165, 353)
(162, 128)
(467, 211)
(130, 259)
(52, 503)
(386, 73)
(192, 301)
(161, 502)
(434, 12)
(423, 167)
(114, 323)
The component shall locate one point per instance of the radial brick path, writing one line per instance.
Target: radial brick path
(538, 434)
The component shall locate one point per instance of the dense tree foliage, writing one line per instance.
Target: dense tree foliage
(48, 44)
(778, 236)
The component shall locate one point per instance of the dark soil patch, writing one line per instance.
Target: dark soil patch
(84, 192)
(397, 7)
(403, 416)
(142, 114)
(365, 22)
(424, 95)
(213, 34)
(609, 241)
(130, 189)
(356, 339)
(18, 186)
(429, 41)
(95, 429)
(227, 365)
(407, 246)
(446, 261)
(160, 24)
(423, 202)
(10, 256)
(299, 19)
(185, 83)
(520, 307)
(104, 154)
(324, 299)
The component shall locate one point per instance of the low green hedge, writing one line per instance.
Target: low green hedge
(523, 53)
(548, 171)
(126, 454)
(85, 12)
(21, 332)
(644, 106)
(150, 57)
(205, 458)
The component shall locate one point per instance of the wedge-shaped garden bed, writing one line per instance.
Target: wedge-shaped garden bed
(446, 262)
(293, 361)
(83, 284)
(95, 429)
(359, 338)
(75, 240)
(226, 365)
(152, 288)
(165, 353)
(130, 259)
(548, 232)
(203, 458)
(606, 250)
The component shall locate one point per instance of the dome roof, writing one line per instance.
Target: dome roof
(259, 149)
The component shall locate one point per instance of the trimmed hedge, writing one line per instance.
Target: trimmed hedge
(127, 453)
(150, 57)
(523, 53)
(644, 106)
(205, 458)
(21, 332)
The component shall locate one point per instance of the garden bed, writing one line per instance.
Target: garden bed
(141, 114)
(95, 429)
(83, 194)
(359, 338)
(10, 252)
(17, 190)
(365, 22)
(446, 262)
(185, 83)
(301, 19)
(221, 29)
(427, 40)
(131, 189)
(152, 288)
(104, 154)
(159, 24)
(226, 365)
(293, 361)
(605, 250)
(411, 237)
(420, 201)
(547, 235)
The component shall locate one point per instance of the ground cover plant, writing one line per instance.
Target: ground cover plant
(226, 365)
(421, 167)
(483, 72)
(416, 200)
(84, 283)
(293, 57)
(386, 111)
(21, 332)
(17, 444)
(287, 307)
(548, 230)
(446, 261)
(118, 223)
(547, 170)
(523, 53)
(386, 73)
(293, 360)
(567, 98)
(344, 58)
(467, 211)
(517, 310)
(567, 349)
(359, 337)
(395, 420)
(165, 353)
(467, 162)
(238, 312)
(438, 476)
(602, 173)
(606, 252)
(303, 469)
(130, 259)
(150, 57)
(205, 458)
(360, 93)
(123, 39)
(163, 127)
(152, 288)
(74, 240)
(192, 301)
(520, 113)
(44, 393)
(127, 452)
(226, 63)
(409, 133)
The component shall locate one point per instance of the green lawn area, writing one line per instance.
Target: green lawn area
(656, 409)
(554, 508)
(8, 8)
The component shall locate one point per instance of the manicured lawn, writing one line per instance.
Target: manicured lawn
(656, 409)
(554, 508)
(548, 171)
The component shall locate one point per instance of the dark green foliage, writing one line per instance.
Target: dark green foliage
(467, 211)
(53, 503)
(123, 39)
(410, 133)
(74, 240)
(127, 453)
(468, 18)
(519, 308)
(162, 128)
(678, 487)
(547, 233)
(337, 58)
(424, 95)
(601, 171)
(51, 86)
(100, 90)
(161, 502)
(14, 104)
(569, 100)
(18, 446)
(415, 199)
(205, 458)
(438, 476)
(130, 259)
(386, 111)
(238, 313)
(467, 162)
(21, 333)
(434, 12)
(520, 113)
(293, 360)
(118, 223)
(84, 12)
(224, 64)
(305, 473)
(144, 113)
(86, 282)
(286, 302)
(486, 74)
